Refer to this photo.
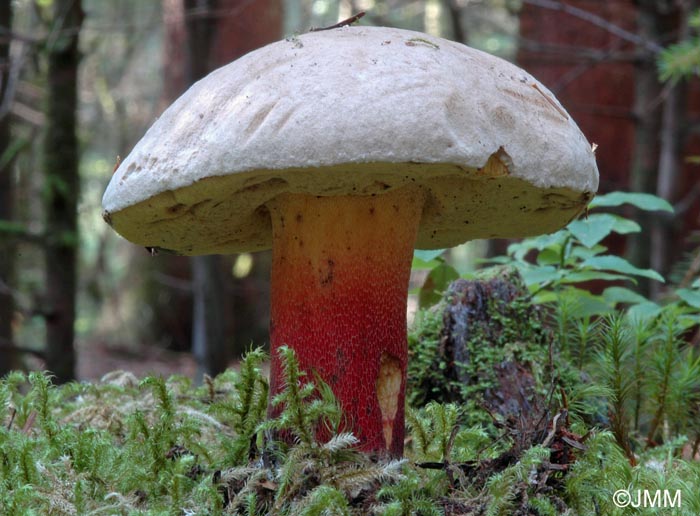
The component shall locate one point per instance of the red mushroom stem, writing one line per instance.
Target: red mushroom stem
(340, 271)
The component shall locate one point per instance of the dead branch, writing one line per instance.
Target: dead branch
(602, 23)
(343, 23)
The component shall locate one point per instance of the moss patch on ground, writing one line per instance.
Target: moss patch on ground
(158, 446)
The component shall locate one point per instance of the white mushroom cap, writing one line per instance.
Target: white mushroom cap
(354, 111)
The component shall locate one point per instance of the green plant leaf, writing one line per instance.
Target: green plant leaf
(643, 201)
(502, 260)
(592, 230)
(579, 253)
(420, 265)
(544, 297)
(679, 60)
(549, 256)
(644, 311)
(585, 303)
(617, 264)
(625, 226)
(591, 275)
(436, 283)
(427, 255)
(692, 297)
(617, 295)
(539, 275)
(519, 249)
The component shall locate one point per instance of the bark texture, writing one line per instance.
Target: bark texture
(647, 145)
(209, 287)
(62, 187)
(201, 36)
(599, 58)
(488, 330)
(8, 359)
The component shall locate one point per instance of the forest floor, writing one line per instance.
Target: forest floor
(97, 359)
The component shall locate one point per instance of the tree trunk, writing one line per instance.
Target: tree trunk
(663, 233)
(209, 316)
(61, 168)
(209, 292)
(489, 328)
(246, 26)
(8, 359)
(651, 25)
(674, 120)
(605, 73)
(201, 35)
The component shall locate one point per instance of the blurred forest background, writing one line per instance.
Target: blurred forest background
(81, 81)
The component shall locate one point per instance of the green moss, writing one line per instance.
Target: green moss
(163, 446)
(506, 331)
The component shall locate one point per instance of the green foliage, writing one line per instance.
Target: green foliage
(244, 409)
(435, 284)
(682, 59)
(423, 350)
(410, 496)
(114, 448)
(437, 436)
(504, 487)
(645, 370)
(603, 469)
(317, 474)
(105, 448)
(440, 275)
(163, 447)
(305, 405)
(621, 365)
(506, 331)
(613, 358)
(556, 266)
(643, 201)
(623, 362)
(636, 355)
(326, 501)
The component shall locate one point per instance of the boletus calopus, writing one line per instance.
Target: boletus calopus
(344, 150)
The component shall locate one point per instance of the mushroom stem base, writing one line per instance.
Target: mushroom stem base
(340, 271)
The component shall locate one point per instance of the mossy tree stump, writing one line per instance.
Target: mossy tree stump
(484, 343)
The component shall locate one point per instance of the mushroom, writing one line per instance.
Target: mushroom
(343, 150)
